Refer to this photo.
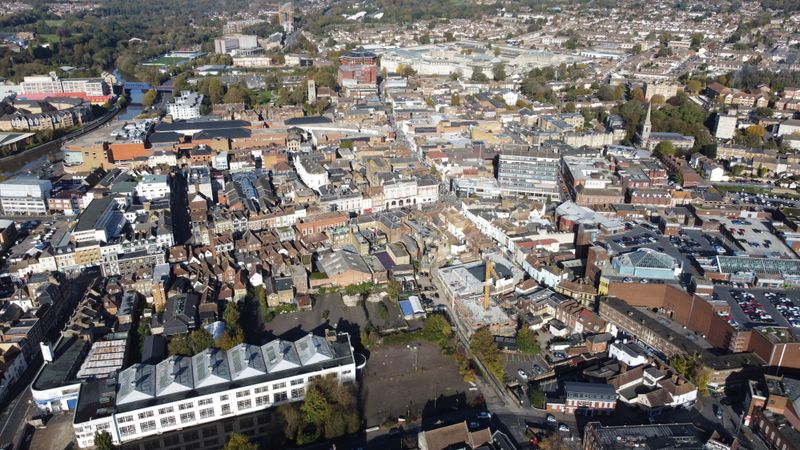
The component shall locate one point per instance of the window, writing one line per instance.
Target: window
(346, 372)
(146, 414)
(205, 402)
(185, 406)
(244, 404)
(314, 377)
(298, 393)
(206, 413)
(187, 417)
(226, 409)
(244, 393)
(127, 430)
(168, 421)
(297, 381)
(279, 385)
(261, 389)
(125, 419)
(262, 400)
(280, 397)
(147, 426)
(166, 410)
(223, 398)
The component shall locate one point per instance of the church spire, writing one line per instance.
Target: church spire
(647, 126)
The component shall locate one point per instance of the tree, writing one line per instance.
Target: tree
(409, 71)
(328, 409)
(236, 94)
(694, 86)
(697, 41)
(763, 112)
(149, 98)
(664, 149)
(755, 130)
(499, 72)
(709, 150)
(538, 398)
(215, 90)
(658, 99)
(636, 49)
(103, 441)
(762, 171)
(526, 341)
(238, 441)
(569, 107)
(425, 39)
(454, 76)
(200, 339)
(482, 345)
(179, 345)
(637, 94)
(479, 77)
(455, 100)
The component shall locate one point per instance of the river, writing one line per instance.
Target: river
(32, 161)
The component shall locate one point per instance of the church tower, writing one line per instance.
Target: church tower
(647, 126)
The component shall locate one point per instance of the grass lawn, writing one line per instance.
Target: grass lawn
(50, 38)
(167, 61)
(54, 22)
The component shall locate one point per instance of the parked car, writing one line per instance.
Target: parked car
(522, 374)
(484, 415)
(537, 369)
(563, 427)
(551, 418)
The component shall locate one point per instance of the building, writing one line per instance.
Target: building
(647, 263)
(457, 435)
(182, 392)
(186, 106)
(25, 195)
(725, 126)
(229, 43)
(531, 173)
(37, 87)
(629, 353)
(99, 222)
(585, 398)
(311, 172)
(657, 436)
(152, 187)
(774, 416)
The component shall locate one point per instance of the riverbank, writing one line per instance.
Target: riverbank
(12, 164)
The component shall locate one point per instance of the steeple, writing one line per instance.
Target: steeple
(647, 126)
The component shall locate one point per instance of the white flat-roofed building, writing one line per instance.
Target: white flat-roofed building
(187, 106)
(182, 392)
(152, 187)
(25, 195)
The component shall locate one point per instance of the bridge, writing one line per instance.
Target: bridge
(142, 86)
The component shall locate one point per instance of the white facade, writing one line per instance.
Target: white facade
(187, 106)
(152, 187)
(629, 354)
(181, 392)
(52, 84)
(311, 173)
(25, 195)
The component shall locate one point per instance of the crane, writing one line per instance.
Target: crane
(487, 282)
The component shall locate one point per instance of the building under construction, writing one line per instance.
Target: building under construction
(474, 300)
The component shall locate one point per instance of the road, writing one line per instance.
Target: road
(179, 206)
(20, 407)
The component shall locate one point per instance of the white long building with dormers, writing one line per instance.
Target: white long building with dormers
(182, 392)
